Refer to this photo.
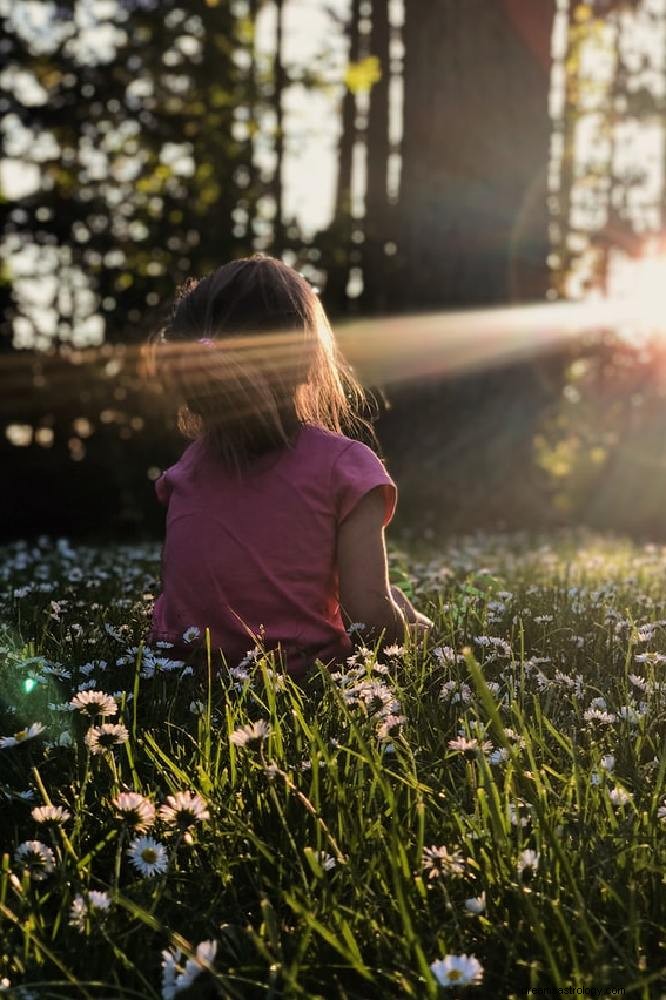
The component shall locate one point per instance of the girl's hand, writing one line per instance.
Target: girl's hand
(420, 627)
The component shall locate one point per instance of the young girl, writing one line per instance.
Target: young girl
(275, 521)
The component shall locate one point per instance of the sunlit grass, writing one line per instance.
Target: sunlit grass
(527, 740)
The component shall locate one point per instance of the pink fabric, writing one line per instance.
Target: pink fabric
(262, 551)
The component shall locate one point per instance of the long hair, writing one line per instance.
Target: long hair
(248, 356)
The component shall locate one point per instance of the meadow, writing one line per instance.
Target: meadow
(485, 816)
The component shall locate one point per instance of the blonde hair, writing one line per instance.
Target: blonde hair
(249, 357)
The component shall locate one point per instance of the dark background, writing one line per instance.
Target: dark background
(500, 444)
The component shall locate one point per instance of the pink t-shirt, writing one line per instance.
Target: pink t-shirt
(240, 557)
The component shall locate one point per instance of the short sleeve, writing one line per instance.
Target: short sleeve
(163, 488)
(356, 471)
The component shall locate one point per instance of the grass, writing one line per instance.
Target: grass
(516, 763)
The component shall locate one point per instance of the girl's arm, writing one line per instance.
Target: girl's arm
(365, 592)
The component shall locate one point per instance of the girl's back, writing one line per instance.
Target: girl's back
(254, 557)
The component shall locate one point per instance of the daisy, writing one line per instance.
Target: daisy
(476, 904)
(661, 811)
(192, 633)
(528, 859)
(94, 703)
(253, 731)
(465, 745)
(184, 809)
(148, 856)
(36, 857)
(50, 814)
(498, 756)
(595, 715)
(174, 979)
(135, 810)
(438, 861)
(457, 970)
(83, 907)
(327, 861)
(100, 739)
(619, 797)
(24, 734)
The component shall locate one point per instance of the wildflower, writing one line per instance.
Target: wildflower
(192, 633)
(100, 739)
(24, 734)
(457, 970)
(271, 771)
(83, 907)
(595, 715)
(661, 811)
(184, 809)
(607, 762)
(498, 756)
(136, 810)
(464, 745)
(619, 797)
(516, 817)
(36, 857)
(438, 861)
(327, 861)
(148, 856)
(629, 713)
(394, 650)
(253, 731)
(175, 978)
(93, 703)
(476, 904)
(50, 814)
(528, 859)
(388, 723)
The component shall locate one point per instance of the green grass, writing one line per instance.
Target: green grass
(311, 871)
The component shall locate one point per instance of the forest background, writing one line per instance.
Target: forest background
(419, 162)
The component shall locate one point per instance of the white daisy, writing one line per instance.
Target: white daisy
(36, 857)
(253, 731)
(476, 904)
(100, 739)
(439, 861)
(327, 861)
(148, 856)
(466, 746)
(498, 756)
(595, 715)
(457, 970)
(619, 796)
(192, 633)
(528, 859)
(50, 814)
(83, 907)
(93, 703)
(175, 978)
(136, 810)
(24, 734)
(607, 762)
(184, 809)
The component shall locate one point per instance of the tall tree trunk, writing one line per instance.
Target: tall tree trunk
(377, 207)
(472, 225)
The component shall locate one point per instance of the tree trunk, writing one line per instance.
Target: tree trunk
(377, 207)
(472, 225)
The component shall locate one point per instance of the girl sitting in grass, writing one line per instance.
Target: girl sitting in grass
(275, 521)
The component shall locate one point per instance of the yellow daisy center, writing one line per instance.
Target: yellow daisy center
(149, 855)
(454, 974)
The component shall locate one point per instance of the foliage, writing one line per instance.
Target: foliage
(498, 794)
